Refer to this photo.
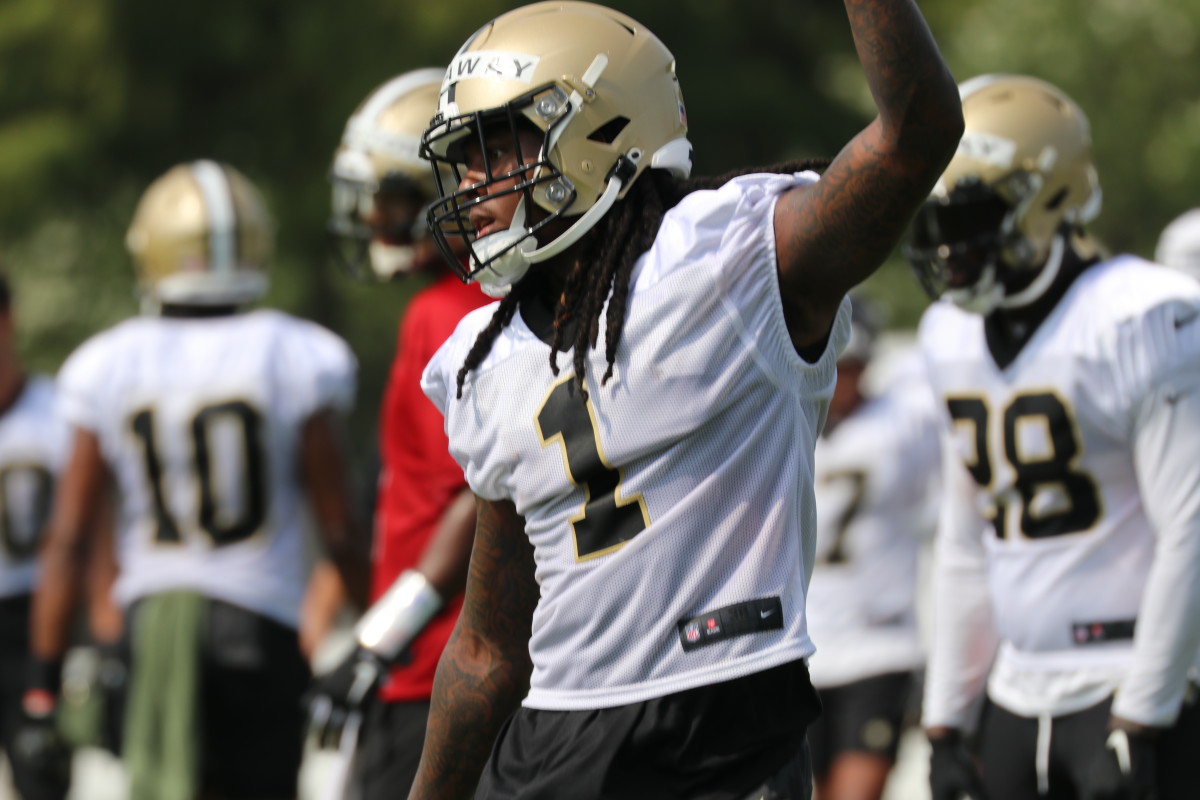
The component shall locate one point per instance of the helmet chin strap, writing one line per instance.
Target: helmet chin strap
(982, 296)
(516, 245)
(1044, 278)
(505, 254)
(389, 260)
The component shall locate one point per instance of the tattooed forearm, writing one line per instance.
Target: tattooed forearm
(908, 79)
(484, 671)
(834, 234)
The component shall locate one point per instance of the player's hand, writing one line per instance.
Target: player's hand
(41, 759)
(347, 688)
(952, 770)
(1124, 770)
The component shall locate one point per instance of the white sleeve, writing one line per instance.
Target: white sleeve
(964, 637)
(1167, 637)
(331, 369)
(435, 378)
(78, 397)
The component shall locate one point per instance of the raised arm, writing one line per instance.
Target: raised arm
(833, 234)
(484, 671)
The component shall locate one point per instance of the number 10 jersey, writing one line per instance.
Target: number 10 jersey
(199, 420)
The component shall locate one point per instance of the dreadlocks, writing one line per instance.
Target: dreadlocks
(601, 273)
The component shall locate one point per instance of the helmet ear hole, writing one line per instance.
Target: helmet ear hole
(1054, 202)
(609, 131)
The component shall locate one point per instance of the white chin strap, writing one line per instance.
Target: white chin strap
(389, 260)
(518, 249)
(987, 294)
(980, 297)
(1043, 280)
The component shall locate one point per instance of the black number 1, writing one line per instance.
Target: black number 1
(606, 521)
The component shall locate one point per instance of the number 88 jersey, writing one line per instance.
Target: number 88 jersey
(200, 422)
(1051, 443)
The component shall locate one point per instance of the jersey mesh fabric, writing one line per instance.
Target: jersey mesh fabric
(419, 476)
(876, 479)
(1097, 356)
(33, 448)
(706, 429)
(162, 392)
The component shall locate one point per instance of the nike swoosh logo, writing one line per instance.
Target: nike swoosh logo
(1189, 319)
(767, 613)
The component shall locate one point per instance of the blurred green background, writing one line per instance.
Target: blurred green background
(99, 97)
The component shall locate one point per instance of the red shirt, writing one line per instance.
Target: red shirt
(419, 478)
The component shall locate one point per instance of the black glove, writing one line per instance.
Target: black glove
(41, 759)
(1124, 770)
(952, 770)
(347, 688)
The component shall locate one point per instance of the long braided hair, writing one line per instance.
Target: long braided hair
(601, 272)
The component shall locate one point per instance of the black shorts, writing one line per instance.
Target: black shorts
(861, 717)
(252, 677)
(14, 656)
(1008, 747)
(718, 742)
(389, 749)
(14, 673)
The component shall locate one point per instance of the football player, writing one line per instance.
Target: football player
(33, 447)
(645, 517)
(876, 473)
(1179, 244)
(1067, 592)
(216, 424)
(425, 514)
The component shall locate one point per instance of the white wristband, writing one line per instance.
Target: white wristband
(395, 619)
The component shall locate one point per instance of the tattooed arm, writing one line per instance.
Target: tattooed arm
(484, 671)
(833, 234)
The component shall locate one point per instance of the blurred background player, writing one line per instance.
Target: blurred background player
(216, 425)
(425, 514)
(1069, 540)
(1179, 244)
(33, 448)
(876, 473)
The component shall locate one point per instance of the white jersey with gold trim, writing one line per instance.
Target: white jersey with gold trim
(683, 488)
(876, 482)
(1083, 466)
(200, 421)
(33, 449)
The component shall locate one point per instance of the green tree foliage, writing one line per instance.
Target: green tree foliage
(98, 97)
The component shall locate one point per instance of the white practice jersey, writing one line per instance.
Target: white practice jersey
(200, 420)
(1080, 459)
(33, 448)
(876, 483)
(672, 517)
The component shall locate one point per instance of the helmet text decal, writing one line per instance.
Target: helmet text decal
(491, 64)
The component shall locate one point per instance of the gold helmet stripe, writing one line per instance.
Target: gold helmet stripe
(217, 194)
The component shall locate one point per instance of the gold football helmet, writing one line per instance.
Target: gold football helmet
(994, 231)
(599, 89)
(201, 236)
(381, 185)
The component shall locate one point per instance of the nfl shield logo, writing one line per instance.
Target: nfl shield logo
(692, 632)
